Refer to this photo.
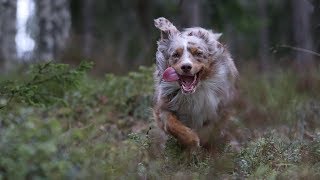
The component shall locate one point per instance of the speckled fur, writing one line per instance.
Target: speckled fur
(216, 86)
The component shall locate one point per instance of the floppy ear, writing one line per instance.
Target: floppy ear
(166, 27)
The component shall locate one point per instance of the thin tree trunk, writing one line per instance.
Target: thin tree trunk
(88, 26)
(54, 25)
(143, 10)
(231, 37)
(8, 30)
(302, 11)
(121, 55)
(263, 35)
(191, 13)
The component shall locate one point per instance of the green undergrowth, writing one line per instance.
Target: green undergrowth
(56, 122)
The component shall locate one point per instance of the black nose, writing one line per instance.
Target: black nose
(186, 68)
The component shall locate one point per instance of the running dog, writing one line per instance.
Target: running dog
(194, 82)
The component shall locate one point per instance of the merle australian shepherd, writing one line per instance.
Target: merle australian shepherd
(194, 82)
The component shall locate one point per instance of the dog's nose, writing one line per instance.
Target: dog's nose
(186, 67)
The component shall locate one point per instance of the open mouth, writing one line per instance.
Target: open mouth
(188, 83)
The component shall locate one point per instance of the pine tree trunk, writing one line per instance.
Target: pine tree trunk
(88, 26)
(191, 13)
(8, 30)
(302, 11)
(54, 25)
(263, 35)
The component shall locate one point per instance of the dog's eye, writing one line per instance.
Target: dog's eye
(176, 55)
(198, 53)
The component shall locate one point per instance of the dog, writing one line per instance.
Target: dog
(195, 80)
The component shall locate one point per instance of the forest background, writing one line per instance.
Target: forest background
(76, 89)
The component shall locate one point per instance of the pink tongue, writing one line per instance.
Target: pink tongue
(170, 75)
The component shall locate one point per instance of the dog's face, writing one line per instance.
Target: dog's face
(190, 58)
(192, 53)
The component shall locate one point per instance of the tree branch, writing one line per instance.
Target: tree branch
(300, 49)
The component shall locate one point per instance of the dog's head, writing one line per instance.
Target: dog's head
(192, 53)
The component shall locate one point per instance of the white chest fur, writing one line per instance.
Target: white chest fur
(197, 108)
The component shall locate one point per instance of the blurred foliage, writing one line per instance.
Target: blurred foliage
(45, 84)
(131, 94)
(274, 157)
(102, 129)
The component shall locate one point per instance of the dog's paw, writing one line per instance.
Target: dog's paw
(192, 140)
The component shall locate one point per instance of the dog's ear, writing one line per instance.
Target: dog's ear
(166, 27)
(217, 36)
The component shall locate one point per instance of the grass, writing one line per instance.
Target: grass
(102, 131)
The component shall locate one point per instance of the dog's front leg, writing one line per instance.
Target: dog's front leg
(171, 124)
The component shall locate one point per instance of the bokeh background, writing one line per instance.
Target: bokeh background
(120, 36)
(63, 117)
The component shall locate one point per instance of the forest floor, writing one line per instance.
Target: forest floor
(100, 128)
